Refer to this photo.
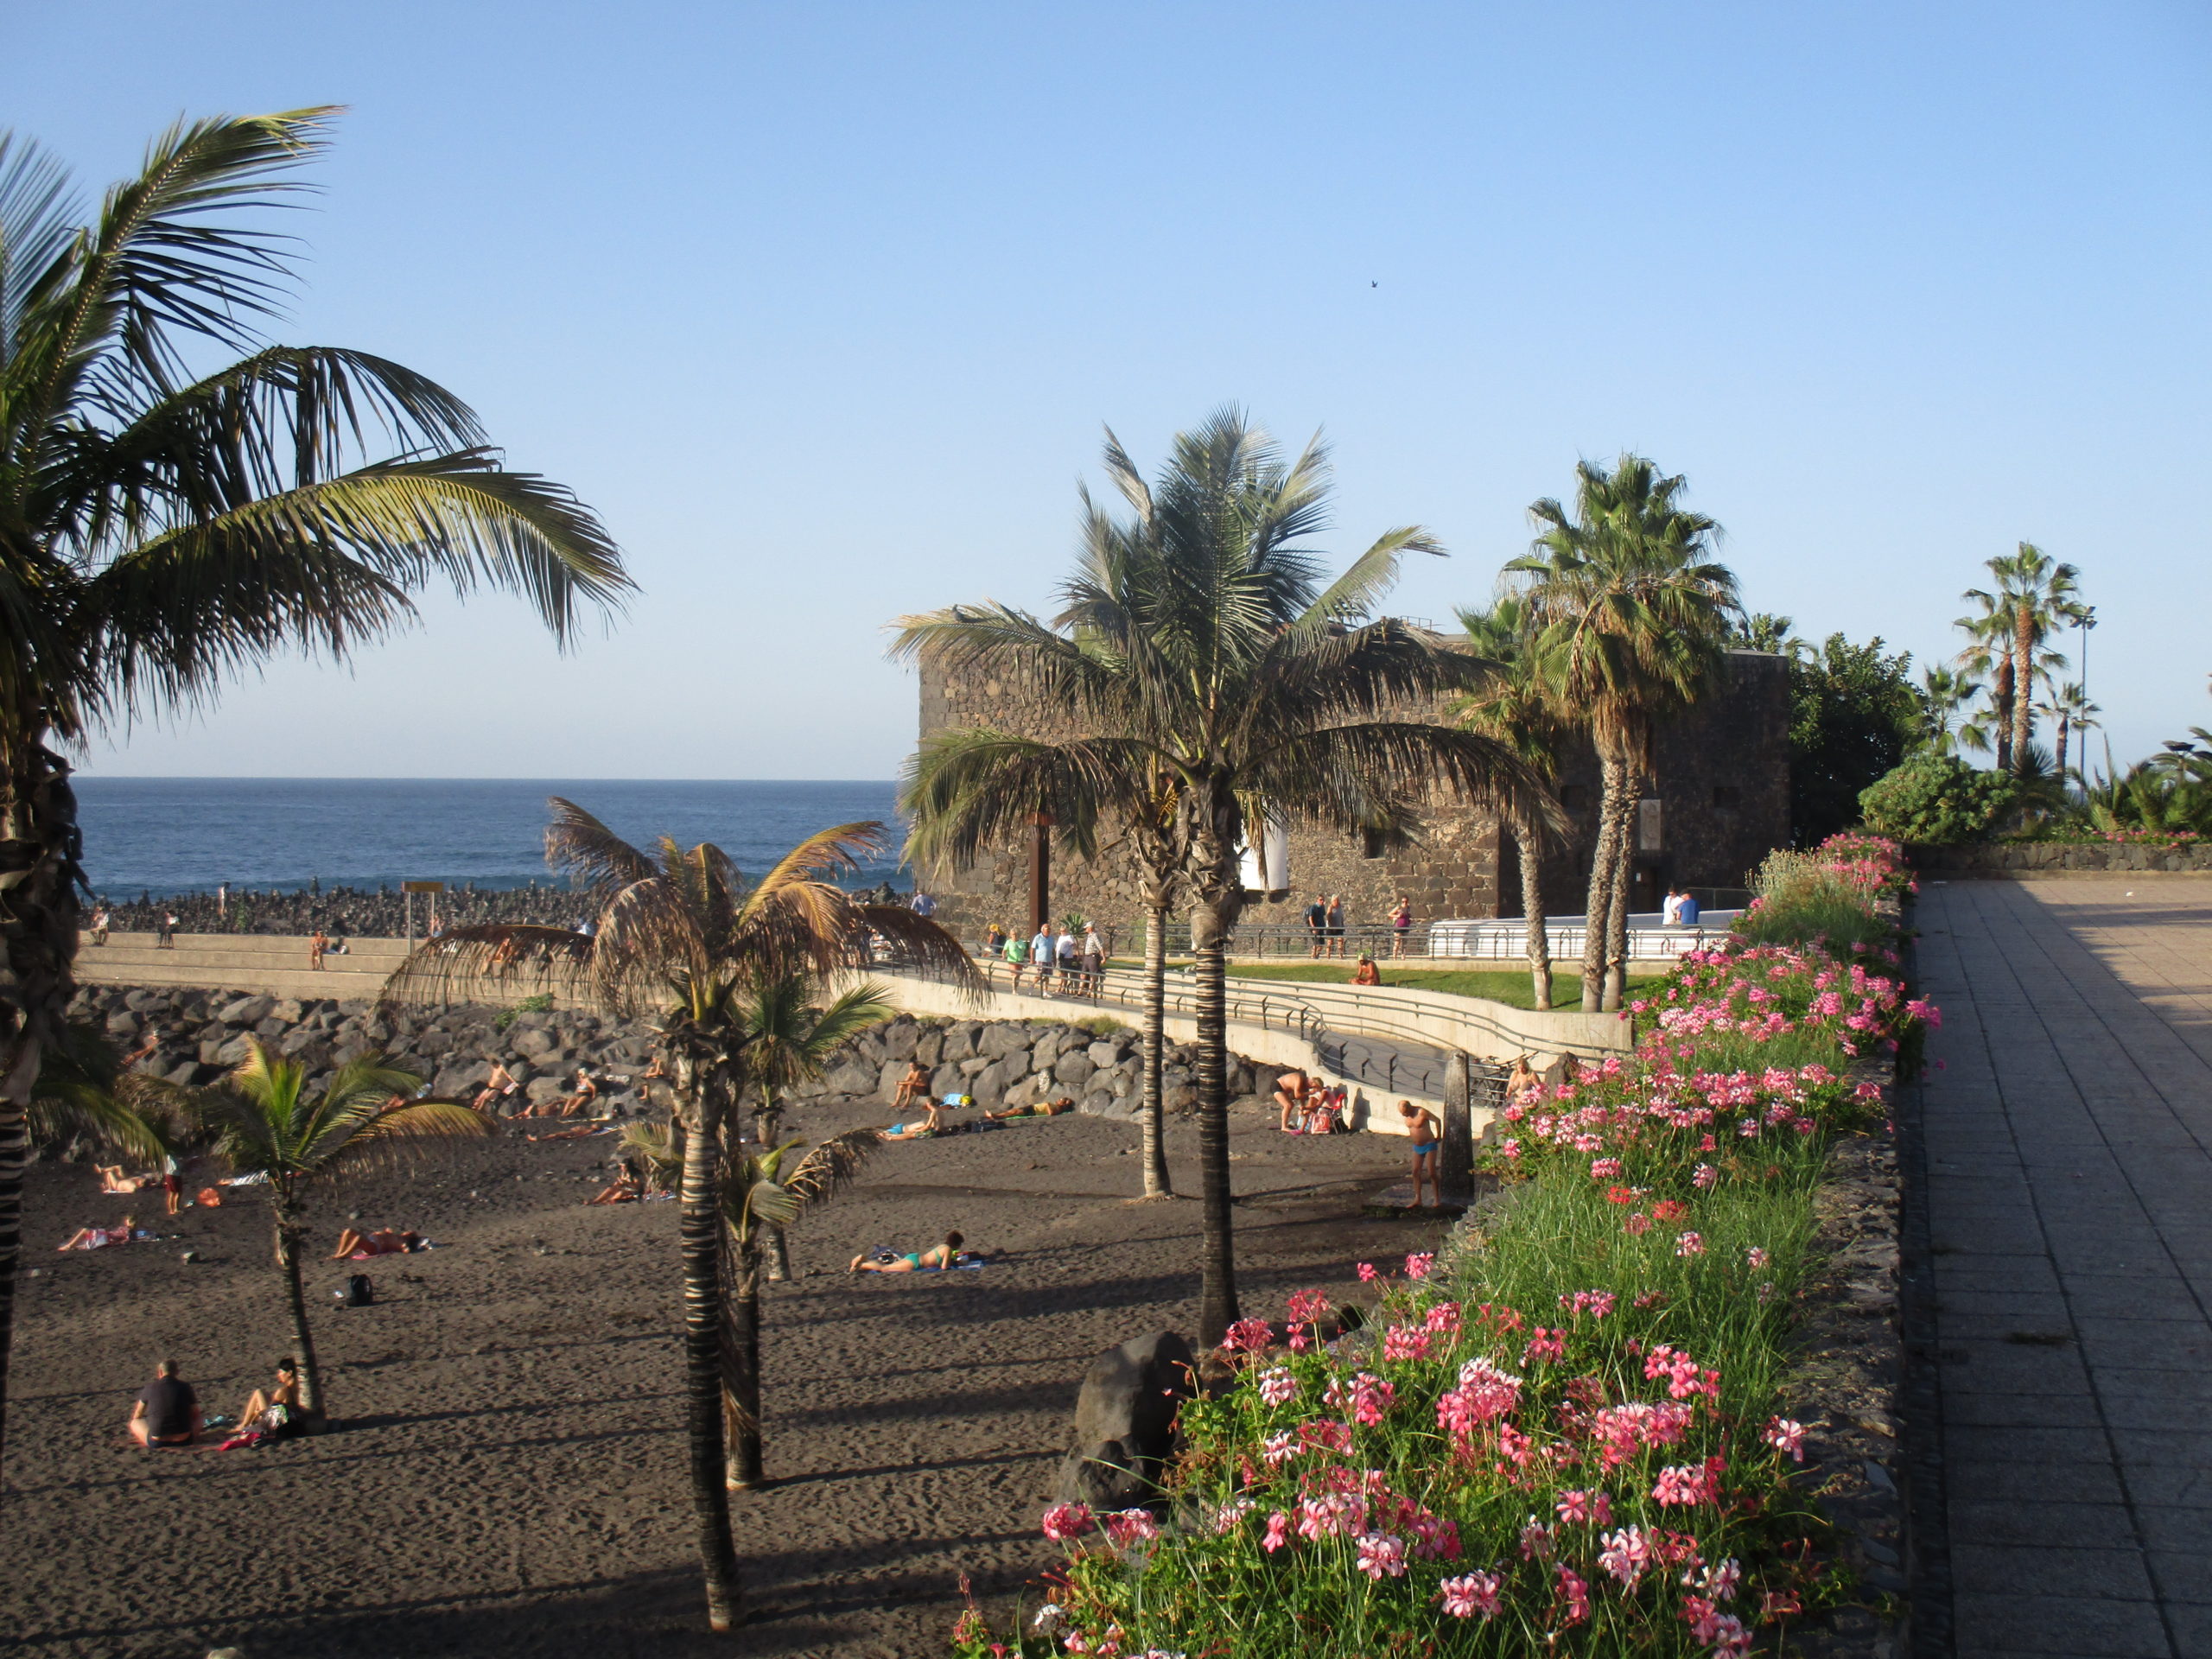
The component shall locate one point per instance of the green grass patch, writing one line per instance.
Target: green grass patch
(1508, 985)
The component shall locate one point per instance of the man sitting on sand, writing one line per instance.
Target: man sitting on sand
(497, 1087)
(935, 1259)
(1367, 973)
(914, 1086)
(385, 1241)
(1428, 1141)
(1038, 1109)
(167, 1412)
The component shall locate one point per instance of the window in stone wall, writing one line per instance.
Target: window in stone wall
(1370, 844)
(1727, 796)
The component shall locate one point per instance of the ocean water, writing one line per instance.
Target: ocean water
(187, 835)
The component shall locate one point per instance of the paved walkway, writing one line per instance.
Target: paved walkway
(2068, 1145)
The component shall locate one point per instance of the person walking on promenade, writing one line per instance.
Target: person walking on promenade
(1040, 957)
(165, 934)
(1094, 961)
(1401, 925)
(1336, 925)
(99, 925)
(318, 947)
(1017, 957)
(1317, 924)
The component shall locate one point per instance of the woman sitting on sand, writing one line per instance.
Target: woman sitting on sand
(935, 1259)
(112, 1179)
(914, 1086)
(586, 1092)
(1521, 1079)
(623, 1189)
(385, 1241)
(255, 1414)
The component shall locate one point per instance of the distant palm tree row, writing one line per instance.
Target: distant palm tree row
(2008, 655)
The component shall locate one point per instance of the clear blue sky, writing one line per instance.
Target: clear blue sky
(823, 306)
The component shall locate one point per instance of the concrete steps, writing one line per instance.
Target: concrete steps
(274, 964)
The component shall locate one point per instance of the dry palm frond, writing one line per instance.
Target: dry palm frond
(652, 1145)
(832, 1166)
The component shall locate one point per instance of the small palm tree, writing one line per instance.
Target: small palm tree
(1945, 694)
(264, 1124)
(1633, 615)
(764, 1191)
(790, 1038)
(1515, 707)
(2045, 595)
(2068, 708)
(82, 1090)
(680, 932)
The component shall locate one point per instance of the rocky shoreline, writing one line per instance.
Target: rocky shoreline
(194, 1037)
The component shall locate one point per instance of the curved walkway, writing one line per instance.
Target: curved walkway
(2069, 1148)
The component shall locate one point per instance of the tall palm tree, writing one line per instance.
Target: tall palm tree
(789, 1038)
(760, 1198)
(1223, 666)
(164, 525)
(1632, 614)
(265, 1124)
(680, 932)
(1514, 707)
(1988, 655)
(2045, 595)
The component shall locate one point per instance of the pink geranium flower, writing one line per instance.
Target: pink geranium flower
(1470, 1594)
(1065, 1521)
(1382, 1556)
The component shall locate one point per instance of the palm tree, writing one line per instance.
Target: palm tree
(162, 528)
(682, 932)
(1219, 676)
(1632, 614)
(265, 1125)
(2045, 595)
(1988, 654)
(789, 1038)
(2067, 706)
(1515, 707)
(1944, 694)
(758, 1200)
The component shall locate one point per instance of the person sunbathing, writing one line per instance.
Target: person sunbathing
(1367, 973)
(936, 1259)
(1036, 1108)
(284, 1392)
(920, 1128)
(586, 1092)
(1521, 1079)
(98, 1238)
(112, 1179)
(497, 1087)
(623, 1189)
(385, 1241)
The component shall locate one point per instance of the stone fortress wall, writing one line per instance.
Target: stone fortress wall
(1719, 803)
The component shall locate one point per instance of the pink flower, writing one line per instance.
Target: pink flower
(1573, 1507)
(1278, 1532)
(1382, 1556)
(1705, 1176)
(1307, 1305)
(1127, 1527)
(1688, 1244)
(1639, 1224)
(1436, 1540)
(1472, 1594)
(1418, 1263)
(1605, 1169)
(1368, 1397)
(1444, 1318)
(1278, 1386)
(1545, 1346)
(1250, 1336)
(1686, 1485)
(1755, 1256)
(1625, 1555)
(1226, 1517)
(1576, 1594)
(1785, 1436)
(1599, 1303)
(1065, 1520)
(1367, 1273)
(1535, 1541)
(1721, 1582)
(1406, 1342)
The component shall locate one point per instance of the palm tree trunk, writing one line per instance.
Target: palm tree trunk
(701, 1228)
(1156, 1184)
(743, 1464)
(1210, 923)
(2062, 751)
(1617, 906)
(1526, 840)
(289, 1233)
(768, 1126)
(2001, 695)
(1598, 914)
(2023, 685)
(39, 853)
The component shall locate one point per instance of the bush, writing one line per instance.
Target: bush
(542, 1003)
(1937, 800)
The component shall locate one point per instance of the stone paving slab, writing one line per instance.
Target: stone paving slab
(2068, 1138)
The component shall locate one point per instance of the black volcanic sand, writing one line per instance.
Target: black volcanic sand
(504, 1474)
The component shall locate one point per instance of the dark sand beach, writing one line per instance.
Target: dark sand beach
(504, 1472)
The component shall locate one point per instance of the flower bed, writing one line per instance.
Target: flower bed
(1565, 1435)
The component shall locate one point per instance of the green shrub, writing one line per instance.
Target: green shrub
(542, 1003)
(1103, 1026)
(1937, 800)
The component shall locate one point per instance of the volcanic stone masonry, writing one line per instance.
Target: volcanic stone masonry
(1719, 804)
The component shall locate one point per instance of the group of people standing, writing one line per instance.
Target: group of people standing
(1079, 966)
(1327, 925)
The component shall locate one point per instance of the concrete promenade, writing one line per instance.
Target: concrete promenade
(2069, 1144)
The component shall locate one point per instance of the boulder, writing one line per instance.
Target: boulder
(143, 1002)
(286, 1008)
(1002, 1039)
(960, 1040)
(122, 1025)
(948, 1080)
(1125, 1421)
(237, 1051)
(1104, 1055)
(247, 1011)
(929, 1048)
(532, 1042)
(1074, 1070)
(1048, 1046)
(852, 1079)
(990, 1085)
(538, 1091)
(889, 1079)
(1100, 1104)
(1179, 1098)
(900, 1038)
(969, 1068)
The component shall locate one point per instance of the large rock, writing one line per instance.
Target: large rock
(948, 1080)
(960, 1040)
(900, 1038)
(929, 1047)
(538, 1091)
(247, 1011)
(1074, 1070)
(532, 1042)
(1125, 1421)
(852, 1079)
(1002, 1039)
(990, 1085)
(1105, 1055)
(889, 1079)
(122, 1023)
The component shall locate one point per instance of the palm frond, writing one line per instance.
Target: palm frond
(476, 964)
(832, 1166)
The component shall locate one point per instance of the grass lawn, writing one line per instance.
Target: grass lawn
(1507, 985)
